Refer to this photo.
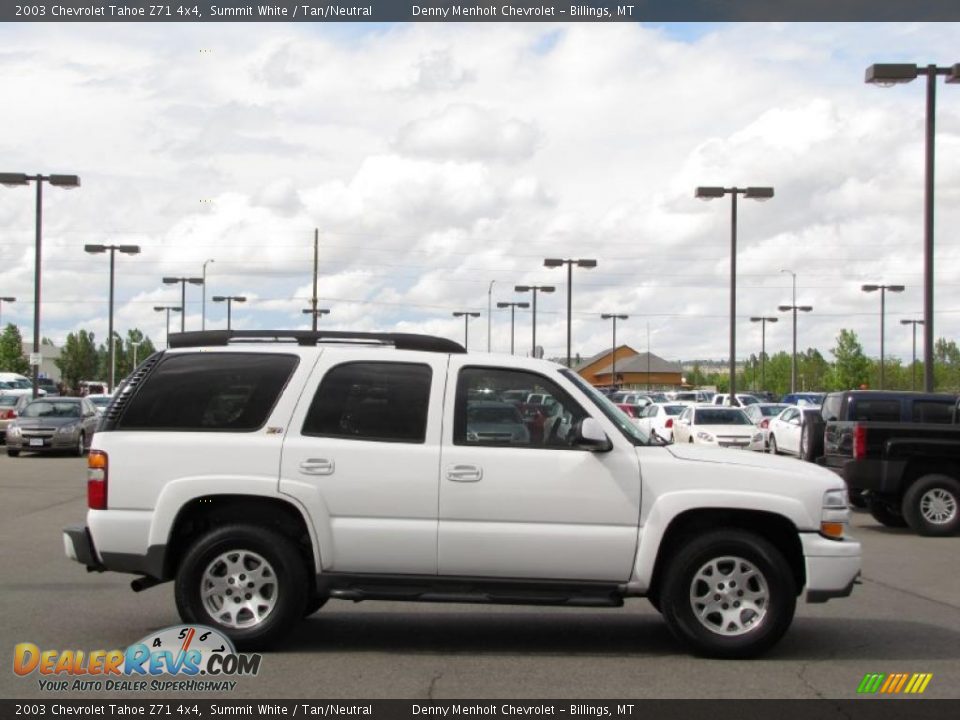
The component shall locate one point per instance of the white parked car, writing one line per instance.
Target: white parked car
(742, 400)
(17, 384)
(100, 401)
(761, 414)
(714, 425)
(659, 419)
(268, 472)
(786, 429)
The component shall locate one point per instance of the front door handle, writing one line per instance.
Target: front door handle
(464, 473)
(317, 466)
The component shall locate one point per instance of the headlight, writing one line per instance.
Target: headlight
(834, 514)
(13, 429)
(707, 437)
(67, 429)
(757, 438)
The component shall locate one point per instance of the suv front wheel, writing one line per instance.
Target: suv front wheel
(728, 594)
(248, 582)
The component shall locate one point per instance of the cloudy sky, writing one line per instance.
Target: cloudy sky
(438, 158)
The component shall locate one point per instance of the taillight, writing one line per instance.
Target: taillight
(859, 442)
(765, 423)
(7, 415)
(668, 423)
(97, 480)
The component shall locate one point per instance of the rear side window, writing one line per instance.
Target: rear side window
(209, 392)
(930, 411)
(381, 401)
(831, 407)
(876, 410)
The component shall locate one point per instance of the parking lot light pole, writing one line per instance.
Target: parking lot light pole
(183, 294)
(513, 312)
(794, 308)
(534, 289)
(883, 309)
(135, 345)
(615, 317)
(67, 182)
(569, 262)
(229, 300)
(489, 312)
(754, 193)
(763, 346)
(316, 314)
(913, 366)
(2, 301)
(168, 308)
(887, 75)
(203, 305)
(112, 249)
(466, 325)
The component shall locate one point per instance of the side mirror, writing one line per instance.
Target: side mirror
(590, 436)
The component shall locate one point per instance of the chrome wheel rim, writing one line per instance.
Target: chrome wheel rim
(938, 506)
(729, 596)
(239, 589)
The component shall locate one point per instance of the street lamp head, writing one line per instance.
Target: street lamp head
(764, 319)
(239, 298)
(522, 288)
(95, 248)
(195, 281)
(784, 308)
(805, 308)
(65, 181)
(896, 288)
(522, 305)
(911, 322)
(553, 262)
(8, 299)
(869, 288)
(219, 298)
(547, 288)
(587, 263)
(129, 249)
(887, 75)
(170, 280)
(954, 75)
(608, 316)
(503, 304)
(759, 193)
(14, 179)
(709, 193)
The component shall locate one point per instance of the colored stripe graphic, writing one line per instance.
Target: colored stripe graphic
(894, 683)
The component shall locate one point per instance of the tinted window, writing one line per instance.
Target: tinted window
(46, 409)
(209, 391)
(381, 401)
(493, 421)
(831, 407)
(876, 410)
(721, 416)
(931, 411)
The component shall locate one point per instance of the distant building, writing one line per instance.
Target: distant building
(49, 354)
(634, 369)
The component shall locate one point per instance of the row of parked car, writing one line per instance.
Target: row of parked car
(50, 423)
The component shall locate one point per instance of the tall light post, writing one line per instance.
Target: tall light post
(183, 294)
(883, 309)
(763, 347)
(489, 312)
(558, 262)
(67, 182)
(135, 345)
(615, 317)
(168, 309)
(754, 193)
(2, 301)
(913, 366)
(887, 75)
(794, 308)
(203, 305)
(316, 314)
(112, 249)
(229, 300)
(513, 311)
(534, 289)
(466, 325)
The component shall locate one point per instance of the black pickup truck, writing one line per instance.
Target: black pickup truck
(900, 453)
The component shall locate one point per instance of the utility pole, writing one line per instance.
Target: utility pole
(316, 255)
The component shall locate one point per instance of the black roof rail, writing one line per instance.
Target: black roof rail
(401, 341)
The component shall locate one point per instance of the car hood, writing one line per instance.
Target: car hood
(748, 458)
(31, 422)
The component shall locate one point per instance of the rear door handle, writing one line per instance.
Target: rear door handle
(317, 466)
(464, 473)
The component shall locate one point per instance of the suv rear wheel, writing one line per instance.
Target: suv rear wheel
(728, 594)
(248, 582)
(931, 506)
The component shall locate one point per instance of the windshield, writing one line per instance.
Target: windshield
(52, 409)
(100, 401)
(16, 384)
(771, 410)
(720, 416)
(674, 409)
(612, 412)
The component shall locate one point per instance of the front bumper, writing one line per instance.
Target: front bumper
(57, 443)
(833, 566)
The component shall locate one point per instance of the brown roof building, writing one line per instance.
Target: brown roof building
(634, 369)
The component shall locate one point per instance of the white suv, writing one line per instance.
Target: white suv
(266, 472)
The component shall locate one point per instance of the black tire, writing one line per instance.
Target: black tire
(13, 453)
(857, 498)
(931, 505)
(773, 446)
(314, 604)
(733, 549)
(243, 544)
(886, 515)
(81, 447)
(811, 441)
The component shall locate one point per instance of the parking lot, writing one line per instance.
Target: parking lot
(905, 617)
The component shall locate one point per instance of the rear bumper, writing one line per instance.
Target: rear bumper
(78, 545)
(833, 566)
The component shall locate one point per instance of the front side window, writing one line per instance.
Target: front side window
(209, 392)
(486, 413)
(378, 401)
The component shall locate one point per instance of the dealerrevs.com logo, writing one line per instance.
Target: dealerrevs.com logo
(200, 658)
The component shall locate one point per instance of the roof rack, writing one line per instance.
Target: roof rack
(309, 338)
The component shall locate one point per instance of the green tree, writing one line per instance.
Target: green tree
(11, 351)
(852, 368)
(78, 359)
(946, 366)
(814, 369)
